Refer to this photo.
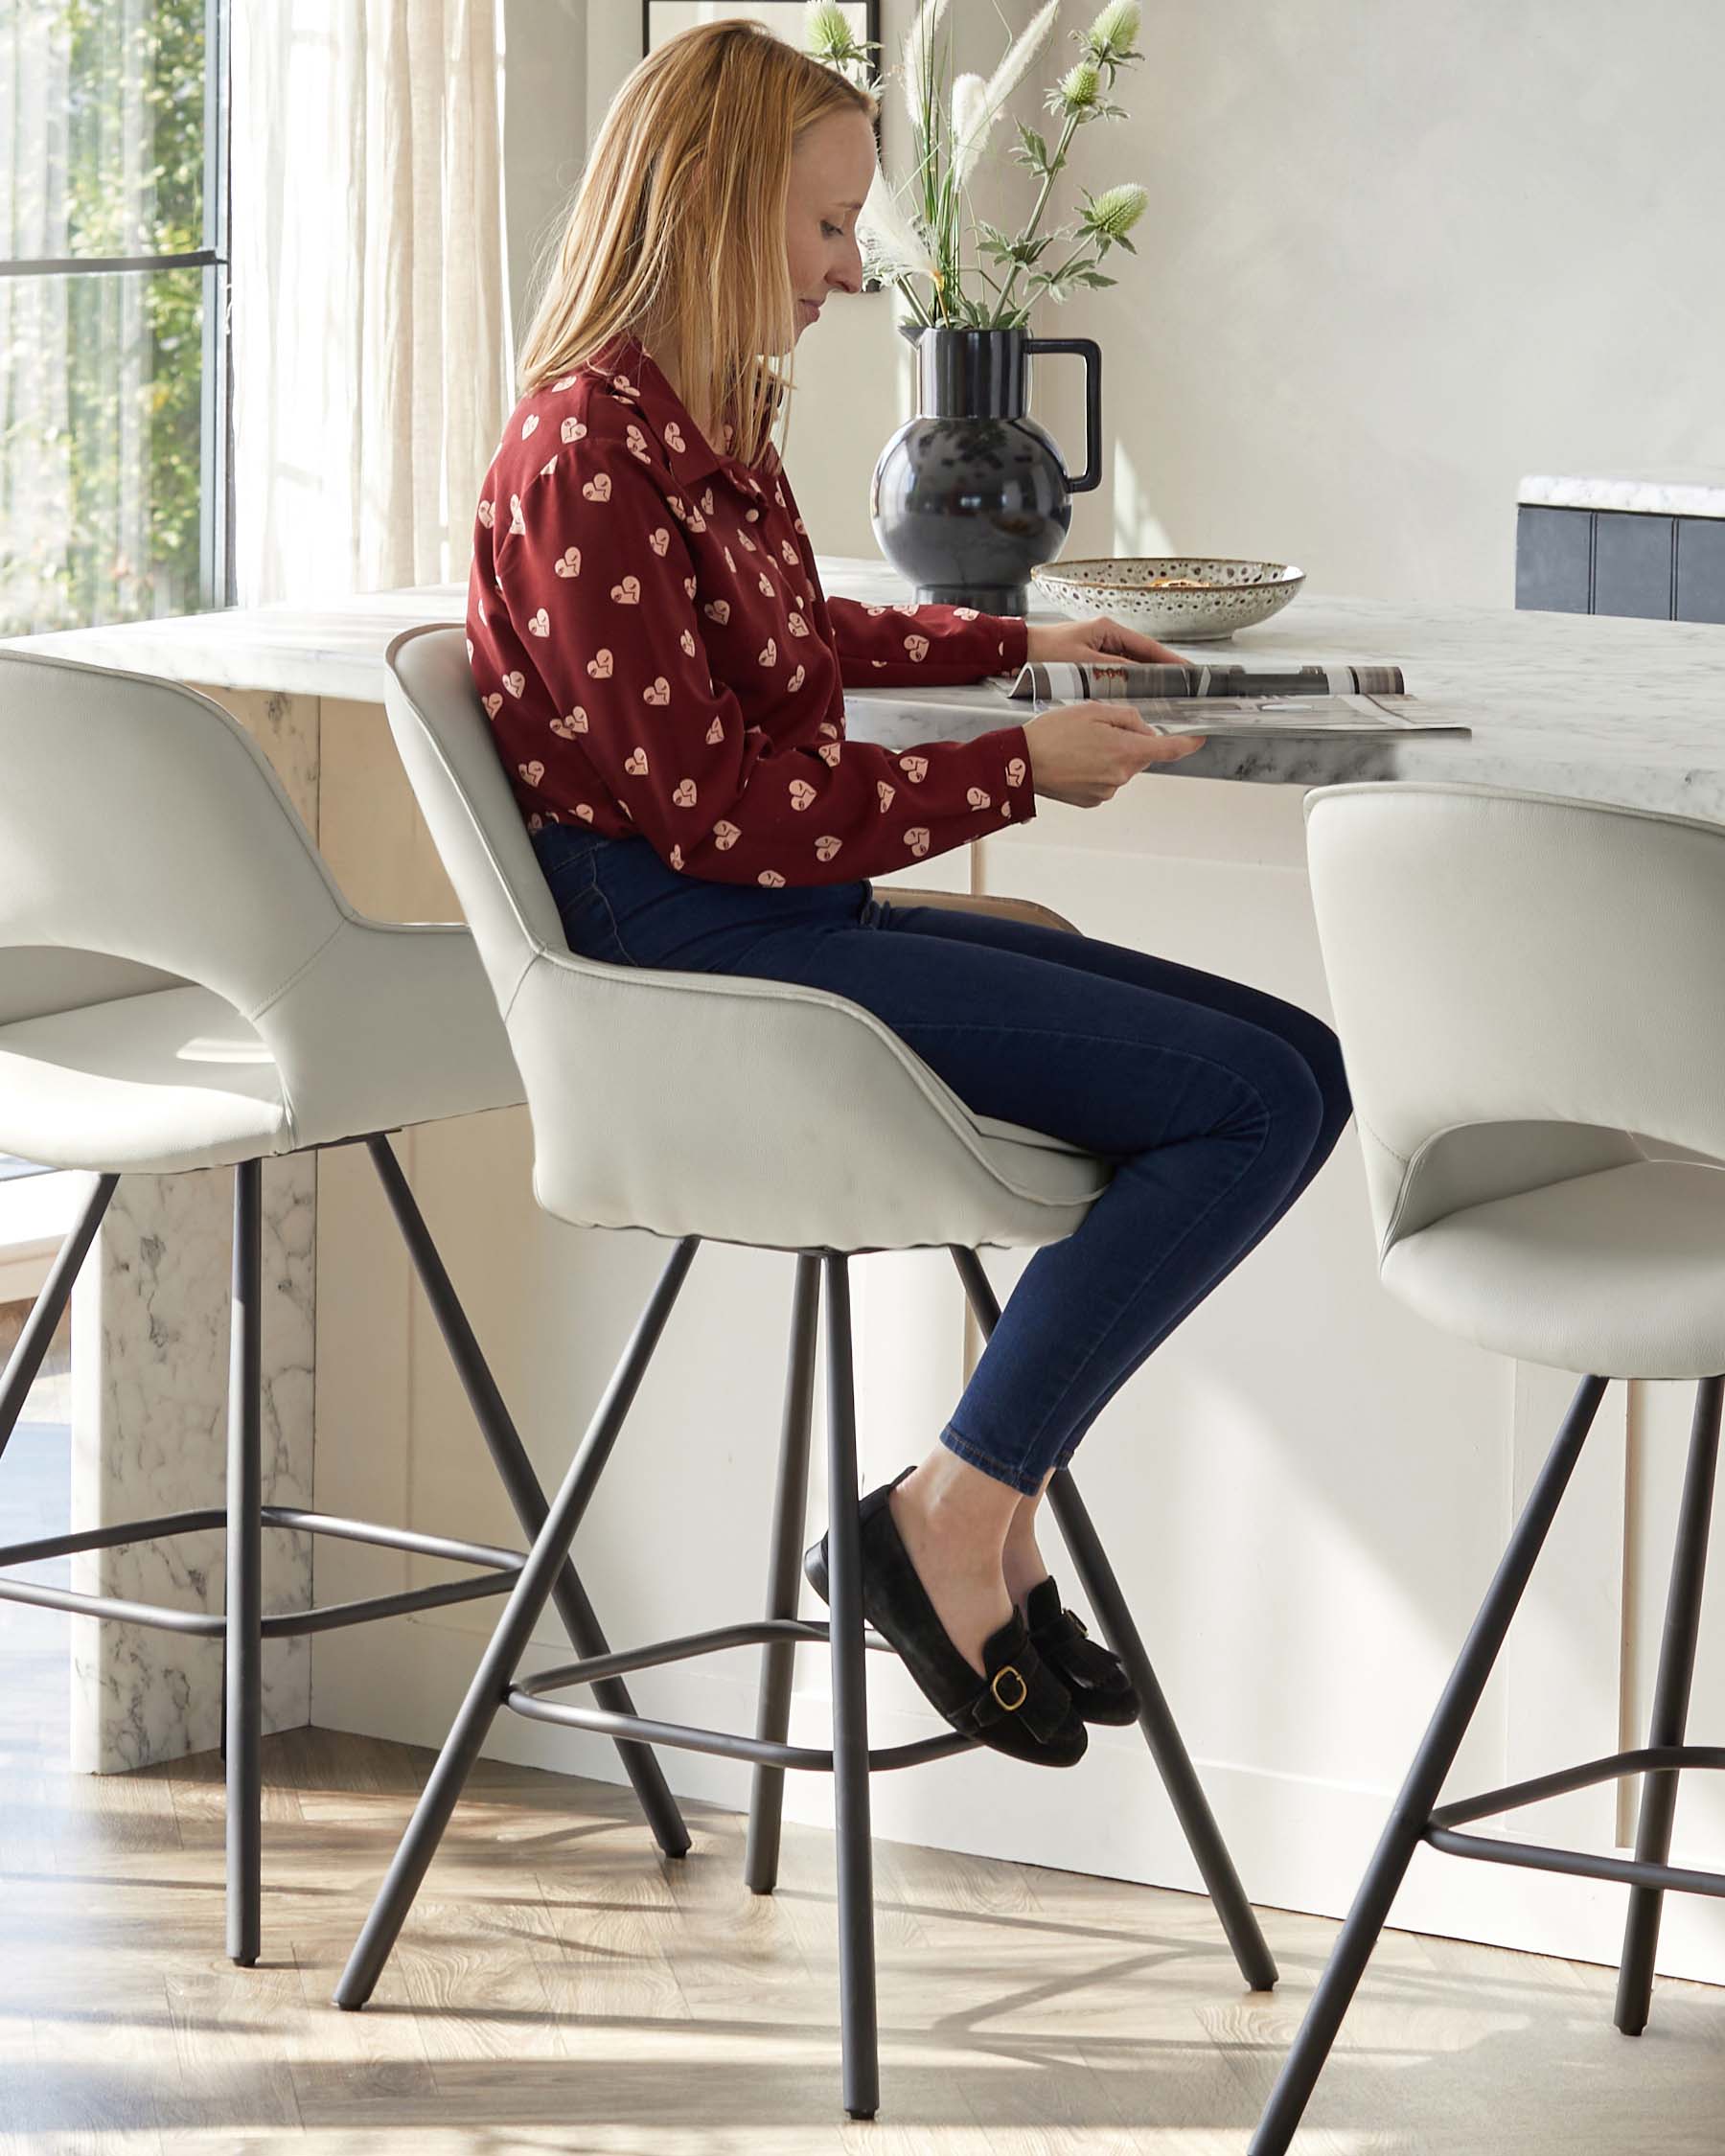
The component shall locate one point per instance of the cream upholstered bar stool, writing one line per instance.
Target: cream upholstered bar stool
(1527, 994)
(183, 986)
(593, 1041)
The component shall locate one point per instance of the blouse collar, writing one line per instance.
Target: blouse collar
(633, 373)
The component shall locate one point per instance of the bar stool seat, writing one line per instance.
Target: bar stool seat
(1620, 1271)
(183, 986)
(177, 1078)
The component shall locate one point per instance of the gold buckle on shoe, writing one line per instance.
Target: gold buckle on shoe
(1011, 1705)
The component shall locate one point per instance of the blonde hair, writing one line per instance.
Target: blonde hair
(677, 225)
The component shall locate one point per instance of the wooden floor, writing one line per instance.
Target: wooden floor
(560, 1987)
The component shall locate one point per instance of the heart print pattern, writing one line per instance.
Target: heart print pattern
(635, 733)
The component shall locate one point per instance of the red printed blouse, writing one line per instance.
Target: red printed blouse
(651, 643)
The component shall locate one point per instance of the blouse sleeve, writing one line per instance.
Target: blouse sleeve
(878, 647)
(597, 571)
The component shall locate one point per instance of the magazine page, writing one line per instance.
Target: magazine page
(1072, 682)
(1259, 717)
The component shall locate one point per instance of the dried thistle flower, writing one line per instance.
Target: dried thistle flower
(1080, 88)
(1114, 213)
(1115, 31)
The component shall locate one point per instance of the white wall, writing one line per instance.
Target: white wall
(544, 133)
(1396, 256)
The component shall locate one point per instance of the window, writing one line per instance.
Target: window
(114, 357)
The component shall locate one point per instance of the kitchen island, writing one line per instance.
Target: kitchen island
(1305, 1489)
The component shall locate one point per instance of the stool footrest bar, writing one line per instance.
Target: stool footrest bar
(114, 1537)
(293, 1624)
(209, 1624)
(1529, 1856)
(499, 1566)
(393, 1538)
(1532, 1856)
(751, 1632)
(1649, 1758)
(762, 1751)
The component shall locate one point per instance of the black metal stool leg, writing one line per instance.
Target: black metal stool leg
(1670, 1705)
(26, 1358)
(507, 1644)
(525, 1494)
(1167, 1748)
(860, 2035)
(1431, 1762)
(790, 1516)
(243, 1686)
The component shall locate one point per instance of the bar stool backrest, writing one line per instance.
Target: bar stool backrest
(145, 844)
(446, 744)
(1522, 985)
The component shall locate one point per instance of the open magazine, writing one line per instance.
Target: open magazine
(1242, 700)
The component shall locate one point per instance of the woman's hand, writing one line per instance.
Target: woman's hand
(1081, 753)
(1083, 642)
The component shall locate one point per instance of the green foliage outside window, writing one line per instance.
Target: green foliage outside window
(101, 374)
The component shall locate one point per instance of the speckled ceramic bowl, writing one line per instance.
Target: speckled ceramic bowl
(1239, 594)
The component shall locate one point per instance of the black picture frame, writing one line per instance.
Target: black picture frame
(871, 33)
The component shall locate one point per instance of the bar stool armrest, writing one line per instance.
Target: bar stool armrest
(812, 1117)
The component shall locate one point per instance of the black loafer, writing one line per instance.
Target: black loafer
(1100, 1688)
(1018, 1706)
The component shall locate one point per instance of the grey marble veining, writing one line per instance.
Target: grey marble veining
(332, 650)
(1699, 492)
(149, 1346)
(1591, 706)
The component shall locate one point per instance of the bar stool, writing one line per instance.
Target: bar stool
(783, 1067)
(183, 986)
(1522, 985)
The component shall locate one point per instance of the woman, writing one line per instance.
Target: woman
(665, 677)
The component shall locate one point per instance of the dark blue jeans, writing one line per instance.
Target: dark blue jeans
(1218, 1104)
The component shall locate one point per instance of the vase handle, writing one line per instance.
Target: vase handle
(1091, 352)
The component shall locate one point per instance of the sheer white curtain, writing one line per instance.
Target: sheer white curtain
(372, 340)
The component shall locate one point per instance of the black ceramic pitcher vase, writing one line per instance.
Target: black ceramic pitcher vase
(972, 495)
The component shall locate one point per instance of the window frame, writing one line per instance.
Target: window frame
(215, 577)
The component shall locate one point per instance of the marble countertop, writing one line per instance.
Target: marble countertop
(1691, 490)
(1598, 707)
